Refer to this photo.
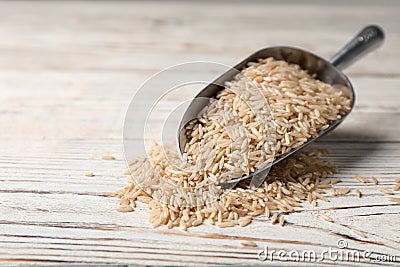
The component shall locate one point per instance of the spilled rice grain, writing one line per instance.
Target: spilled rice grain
(244, 221)
(108, 157)
(386, 191)
(314, 203)
(281, 220)
(247, 243)
(326, 218)
(396, 187)
(374, 180)
(267, 212)
(335, 181)
(394, 199)
(182, 225)
(228, 224)
(274, 218)
(361, 179)
(359, 233)
(126, 171)
(342, 191)
(124, 208)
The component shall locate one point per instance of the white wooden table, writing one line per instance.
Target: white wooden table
(67, 73)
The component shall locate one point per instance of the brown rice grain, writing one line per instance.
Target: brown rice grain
(107, 157)
(246, 243)
(243, 221)
(144, 199)
(396, 187)
(361, 179)
(343, 191)
(335, 181)
(182, 225)
(374, 180)
(274, 218)
(226, 224)
(326, 218)
(281, 220)
(394, 199)
(267, 212)
(359, 233)
(124, 208)
(386, 191)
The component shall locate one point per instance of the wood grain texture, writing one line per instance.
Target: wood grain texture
(67, 73)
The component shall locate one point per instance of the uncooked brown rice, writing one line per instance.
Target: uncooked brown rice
(394, 199)
(361, 179)
(238, 206)
(396, 187)
(386, 191)
(326, 218)
(124, 208)
(246, 243)
(359, 233)
(107, 157)
(281, 220)
(340, 191)
(335, 181)
(267, 110)
(374, 180)
(274, 218)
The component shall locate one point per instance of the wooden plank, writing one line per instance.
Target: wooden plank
(67, 73)
(90, 108)
(68, 192)
(187, 32)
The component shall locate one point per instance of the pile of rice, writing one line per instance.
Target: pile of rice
(268, 109)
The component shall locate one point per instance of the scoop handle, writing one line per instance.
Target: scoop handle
(365, 41)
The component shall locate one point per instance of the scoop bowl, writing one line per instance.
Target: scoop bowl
(328, 71)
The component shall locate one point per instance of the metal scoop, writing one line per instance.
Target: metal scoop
(327, 71)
